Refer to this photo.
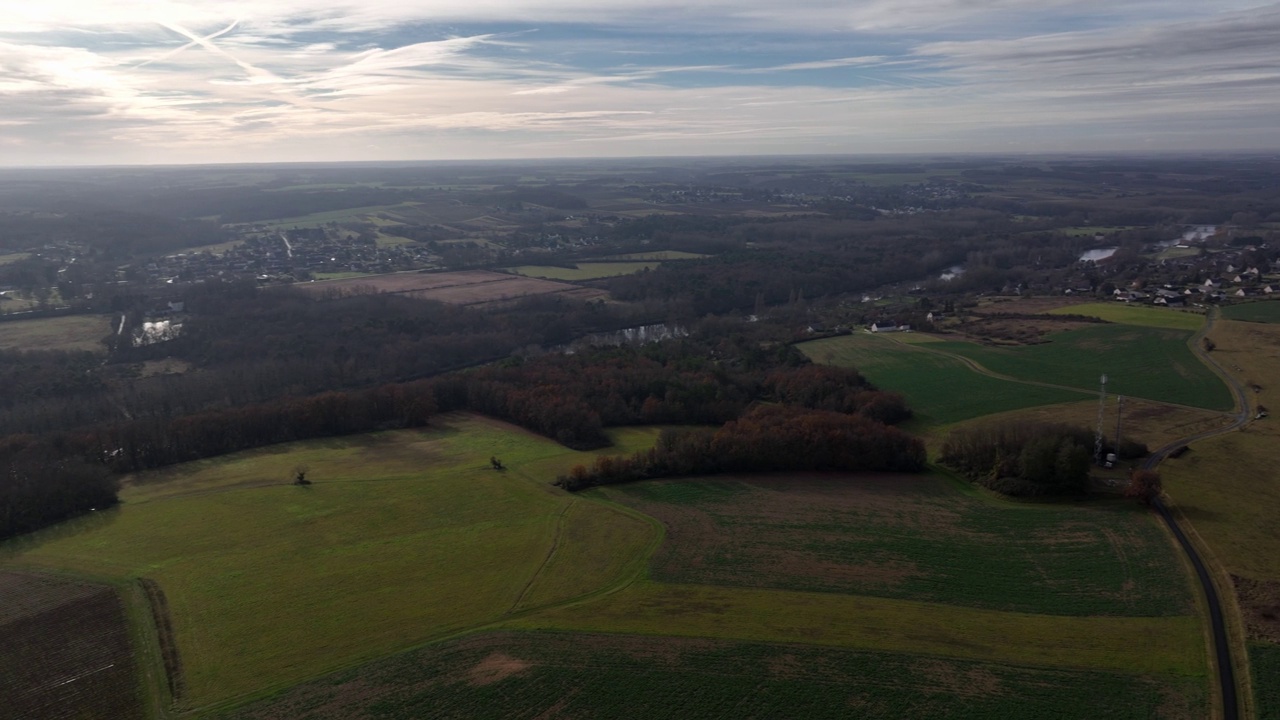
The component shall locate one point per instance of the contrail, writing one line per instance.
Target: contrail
(251, 70)
(175, 51)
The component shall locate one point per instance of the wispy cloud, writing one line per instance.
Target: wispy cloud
(283, 79)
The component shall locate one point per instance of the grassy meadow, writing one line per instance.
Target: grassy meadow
(504, 675)
(1227, 486)
(403, 537)
(911, 537)
(940, 390)
(1258, 312)
(68, 332)
(1129, 314)
(1146, 362)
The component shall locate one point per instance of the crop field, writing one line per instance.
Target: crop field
(69, 332)
(1259, 312)
(913, 537)
(1155, 424)
(584, 270)
(939, 388)
(66, 650)
(1155, 645)
(544, 675)
(403, 537)
(1264, 662)
(1227, 486)
(464, 287)
(1146, 362)
(1128, 314)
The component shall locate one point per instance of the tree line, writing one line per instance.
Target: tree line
(767, 438)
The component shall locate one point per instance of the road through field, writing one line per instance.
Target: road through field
(1221, 647)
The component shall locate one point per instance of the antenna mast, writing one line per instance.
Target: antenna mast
(1119, 415)
(1102, 408)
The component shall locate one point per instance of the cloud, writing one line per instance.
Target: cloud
(295, 79)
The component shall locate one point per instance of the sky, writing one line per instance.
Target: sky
(86, 82)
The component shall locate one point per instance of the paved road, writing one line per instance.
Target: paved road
(1221, 648)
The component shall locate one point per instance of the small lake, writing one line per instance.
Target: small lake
(1097, 254)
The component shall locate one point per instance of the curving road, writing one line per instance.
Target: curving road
(1221, 648)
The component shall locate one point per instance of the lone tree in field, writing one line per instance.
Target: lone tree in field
(300, 475)
(1144, 485)
(1208, 344)
(496, 463)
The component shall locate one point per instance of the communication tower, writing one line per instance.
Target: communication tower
(1102, 408)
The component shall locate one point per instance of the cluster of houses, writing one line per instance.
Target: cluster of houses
(1248, 283)
(282, 255)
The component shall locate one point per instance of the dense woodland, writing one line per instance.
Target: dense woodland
(1028, 459)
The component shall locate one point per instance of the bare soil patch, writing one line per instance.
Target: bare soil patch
(1016, 330)
(1027, 305)
(66, 650)
(498, 666)
(1260, 606)
(466, 287)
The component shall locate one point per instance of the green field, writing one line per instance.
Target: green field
(1128, 314)
(509, 675)
(914, 538)
(405, 536)
(1146, 362)
(68, 332)
(940, 389)
(13, 257)
(1164, 645)
(584, 270)
(1264, 662)
(1259, 312)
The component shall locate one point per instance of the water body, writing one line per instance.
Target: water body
(1199, 232)
(1097, 254)
(639, 335)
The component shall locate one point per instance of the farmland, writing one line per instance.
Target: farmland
(503, 675)
(467, 287)
(66, 650)
(71, 332)
(1144, 315)
(940, 389)
(1258, 312)
(913, 538)
(1152, 423)
(403, 537)
(1146, 362)
(584, 270)
(1227, 485)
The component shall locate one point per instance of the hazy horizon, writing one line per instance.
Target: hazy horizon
(284, 81)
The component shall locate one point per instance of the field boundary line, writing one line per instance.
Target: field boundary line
(555, 545)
